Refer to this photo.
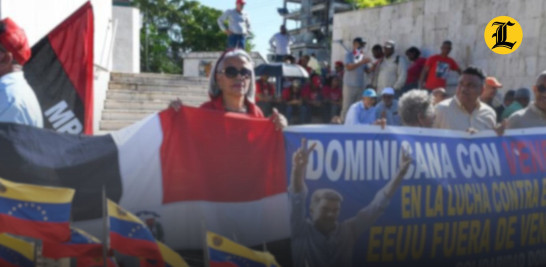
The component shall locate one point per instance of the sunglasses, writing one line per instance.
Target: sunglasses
(541, 88)
(232, 72)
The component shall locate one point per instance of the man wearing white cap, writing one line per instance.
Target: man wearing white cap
(388, 108)
(362, 112)
(393, 69)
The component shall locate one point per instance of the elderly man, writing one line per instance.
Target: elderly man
(465, 111)
(238, 25)
(393, 69)
(18, 103)
(362, 112)
(321, 240)
(535, 114)
(416, 109)
(388, 108)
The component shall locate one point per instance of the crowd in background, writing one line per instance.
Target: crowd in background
(366, 90)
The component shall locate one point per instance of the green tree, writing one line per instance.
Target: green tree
(174, 27)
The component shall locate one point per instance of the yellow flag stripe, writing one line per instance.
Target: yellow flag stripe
(114, 210)
(24, 248)
(221, 243)
(35, 193)
(171, 257)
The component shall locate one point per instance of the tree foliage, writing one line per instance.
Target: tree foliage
(173, 27)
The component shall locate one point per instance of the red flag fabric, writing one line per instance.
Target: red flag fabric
(203, 154)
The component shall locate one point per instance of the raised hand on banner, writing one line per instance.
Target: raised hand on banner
(501, 127)
(299, 163)
(394, 183)
(381, 122)
(279, 120)
(176, 104)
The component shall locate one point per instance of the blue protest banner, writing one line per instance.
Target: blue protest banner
(463, 200)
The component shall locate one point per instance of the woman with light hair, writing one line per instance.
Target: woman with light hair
(416, 109)
(232, 87)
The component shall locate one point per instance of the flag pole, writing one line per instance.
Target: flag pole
(205, 244)
(105, 228)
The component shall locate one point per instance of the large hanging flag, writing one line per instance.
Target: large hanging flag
(60, 72)
(81, 244)
(129, 235)
(224, 252)
(169, 258)
(40, 212)
(16, 252)
(187, 167)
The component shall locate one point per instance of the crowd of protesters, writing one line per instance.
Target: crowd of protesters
(366, 90)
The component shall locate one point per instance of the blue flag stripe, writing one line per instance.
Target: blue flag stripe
(130, 229)
(43, 212)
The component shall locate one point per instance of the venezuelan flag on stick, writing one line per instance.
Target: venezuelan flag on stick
(170, 258)
(15, 252)
(224, 252)
(81, 244)
(129, 235)
(35, 211)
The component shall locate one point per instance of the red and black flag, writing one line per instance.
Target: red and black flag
(60, 72)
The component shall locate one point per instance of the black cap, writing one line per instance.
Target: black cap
(359, 40)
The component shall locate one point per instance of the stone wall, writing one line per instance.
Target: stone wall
(127, 39)
(427, 23)
(199, 64)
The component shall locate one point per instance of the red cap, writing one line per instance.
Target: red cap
(492, 81)
(339, 63)
(240, 2)
(14, 40)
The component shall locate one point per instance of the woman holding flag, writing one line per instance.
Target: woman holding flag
(232, 88)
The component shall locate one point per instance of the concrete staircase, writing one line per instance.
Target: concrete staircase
(131, 97)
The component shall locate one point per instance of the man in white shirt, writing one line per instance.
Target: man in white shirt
(534, 115)
(18, 103)
(393, 70)
(238, 25)
(465, 111)
(281, 42)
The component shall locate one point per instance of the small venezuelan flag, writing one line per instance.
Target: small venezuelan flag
(170, 258)
(40, 212)
(81, 244)
(15, 252)
(129, 235)
(224, 252)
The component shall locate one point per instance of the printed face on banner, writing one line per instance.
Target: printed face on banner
(461, 201)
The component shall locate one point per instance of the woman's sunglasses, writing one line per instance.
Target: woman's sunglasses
(231, 72)
(541, 88)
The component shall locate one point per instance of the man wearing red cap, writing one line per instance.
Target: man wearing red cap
(18, 103)
(238, 25)
(492, 85)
